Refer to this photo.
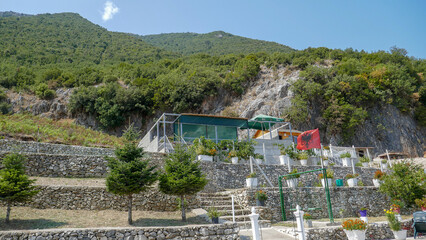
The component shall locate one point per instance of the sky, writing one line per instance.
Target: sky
(364, 25)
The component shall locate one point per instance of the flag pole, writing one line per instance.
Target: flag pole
(322, 164)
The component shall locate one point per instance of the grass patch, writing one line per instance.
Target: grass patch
(29, 218)
(47, 130)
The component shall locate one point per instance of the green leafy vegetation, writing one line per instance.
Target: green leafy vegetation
(48, 130)
(343, 90)
(117, 74)
(15, 185)
(214, 43)
(405, 182)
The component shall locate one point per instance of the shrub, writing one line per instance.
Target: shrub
(356, 224)
(421, 202)
(42, 91)
(303, 156)
(294, 171)
(213, 213)
(405, 182)
(345, 155)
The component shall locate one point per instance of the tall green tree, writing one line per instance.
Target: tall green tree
(182, 176)
(15, 185)
(129, 172)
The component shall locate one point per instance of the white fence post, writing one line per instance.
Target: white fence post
(255, 224)
(233, 209)
(299, 220)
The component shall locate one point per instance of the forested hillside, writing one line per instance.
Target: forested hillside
(214, 43)
(115, 75)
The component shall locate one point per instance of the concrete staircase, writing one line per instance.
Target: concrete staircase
(222, 201)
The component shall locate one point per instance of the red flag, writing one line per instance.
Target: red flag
(309, 139)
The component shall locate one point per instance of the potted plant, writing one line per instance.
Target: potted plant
(364, 160)
(233, 156)
(251, 180)
(213, 215)
(325, 161)
(312, 156)
(303, 157)
(384, 164)
(363, 214)
(378, 175)
(352, 179)
(289, 153)
(354, 229)
(346, 159)
(395, 225)
(292, 180)
(259, 158)
(330, 175)
(421, 203)
(261, 197)
(245, 149)
(205, 149)
(308, 219)
(283, 155)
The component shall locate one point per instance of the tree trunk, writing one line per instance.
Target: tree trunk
(182, 207)
(8, 212)
(129, 219)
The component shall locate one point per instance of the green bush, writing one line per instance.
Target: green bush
(42, 91)
(405, 182)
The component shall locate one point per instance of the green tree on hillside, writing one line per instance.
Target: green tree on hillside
(15, 185)
(182, 176)
(129, 172)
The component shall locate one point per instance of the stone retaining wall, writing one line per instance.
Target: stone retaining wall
(349, 199)
(7, 145)
(97, 198)
(222, 231)
(374, 231)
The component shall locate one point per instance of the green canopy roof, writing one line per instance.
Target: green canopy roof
(263, 122)
(212, 120)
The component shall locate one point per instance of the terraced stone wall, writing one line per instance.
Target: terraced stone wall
(49, 148)
(97, 198)
(350, 199)
(222, 231)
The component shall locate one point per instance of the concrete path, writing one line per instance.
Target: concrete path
(267, 234)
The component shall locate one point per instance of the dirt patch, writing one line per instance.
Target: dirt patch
(28, 218)
(93, 182)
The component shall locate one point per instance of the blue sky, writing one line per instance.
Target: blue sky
(370, 25)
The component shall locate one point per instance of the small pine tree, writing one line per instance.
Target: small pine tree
(129, 173)
(182, 176)
(15, 185)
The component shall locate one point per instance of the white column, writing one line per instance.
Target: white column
(299, 220)
(255, 224)
(389, 160)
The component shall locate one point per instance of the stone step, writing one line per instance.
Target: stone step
(215, 202)
(237, 212)
(223, 207)
(238, 218)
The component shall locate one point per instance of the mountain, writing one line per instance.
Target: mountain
(13, 14)
(214, 43)
(68, 38)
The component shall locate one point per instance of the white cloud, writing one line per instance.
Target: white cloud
(109, 10)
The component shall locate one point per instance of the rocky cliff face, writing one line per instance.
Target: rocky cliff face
(387, 127)
(270, 94)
